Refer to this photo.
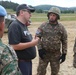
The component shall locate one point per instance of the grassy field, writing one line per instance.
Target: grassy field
(39, 17)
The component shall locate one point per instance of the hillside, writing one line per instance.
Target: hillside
(47, 7)
(12, 5)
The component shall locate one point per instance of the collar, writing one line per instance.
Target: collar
(0, 40)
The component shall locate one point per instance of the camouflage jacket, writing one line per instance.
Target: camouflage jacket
(52, 37)
(74, 55)
(8, 61)
(74, 48)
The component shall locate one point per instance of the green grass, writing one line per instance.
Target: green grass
(10, 11)
(68, 17)
(39, 17)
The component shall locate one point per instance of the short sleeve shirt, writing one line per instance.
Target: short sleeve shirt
(18, 33)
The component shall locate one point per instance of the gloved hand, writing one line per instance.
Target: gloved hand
(74, 60)
(62, 58)
(42, 52)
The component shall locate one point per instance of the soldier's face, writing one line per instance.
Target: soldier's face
(52, 17)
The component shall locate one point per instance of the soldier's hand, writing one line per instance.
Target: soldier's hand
(62, 58)
(74, 60)
(42, 52)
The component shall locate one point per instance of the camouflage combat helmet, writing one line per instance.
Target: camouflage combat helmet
(54, 10)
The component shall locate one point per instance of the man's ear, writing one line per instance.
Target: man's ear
(2, 26)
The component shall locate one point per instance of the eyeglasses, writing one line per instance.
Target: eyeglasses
(26, 10)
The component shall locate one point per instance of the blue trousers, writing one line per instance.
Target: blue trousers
(25, 67)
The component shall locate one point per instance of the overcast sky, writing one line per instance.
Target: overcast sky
(62, 3)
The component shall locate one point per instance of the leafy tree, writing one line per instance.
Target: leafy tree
(39, 11)
(9, 5)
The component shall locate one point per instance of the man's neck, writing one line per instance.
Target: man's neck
(21, 20)
(53, 22)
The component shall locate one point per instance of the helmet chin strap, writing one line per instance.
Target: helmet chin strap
(53, 21)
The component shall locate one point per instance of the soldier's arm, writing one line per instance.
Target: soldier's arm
(39, 45)
(39, 33)
(74, 55)
(1, 63)
(64, 41)
(9, 62)
(74, 48)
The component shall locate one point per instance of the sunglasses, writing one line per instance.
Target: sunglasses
(26, 10)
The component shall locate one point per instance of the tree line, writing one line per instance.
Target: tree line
(12, 5)
(46, 11)
(9, 5)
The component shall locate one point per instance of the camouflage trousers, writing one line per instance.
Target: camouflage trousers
(53, 59)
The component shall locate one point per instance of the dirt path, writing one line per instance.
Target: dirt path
(66, 68)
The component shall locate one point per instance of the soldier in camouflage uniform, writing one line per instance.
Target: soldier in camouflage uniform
(52, 47)
(74, 56)
(8, 58)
